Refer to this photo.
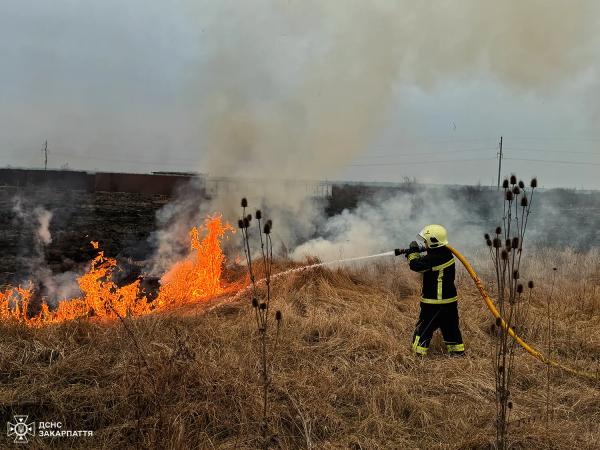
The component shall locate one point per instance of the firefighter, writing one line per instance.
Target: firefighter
(439, 306)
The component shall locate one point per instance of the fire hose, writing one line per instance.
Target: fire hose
(531, 350)
(490, 304)
(488, 301)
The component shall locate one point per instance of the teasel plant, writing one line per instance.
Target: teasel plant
(506, 251)
(261, 302)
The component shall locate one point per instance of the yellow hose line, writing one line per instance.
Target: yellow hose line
(532, 351)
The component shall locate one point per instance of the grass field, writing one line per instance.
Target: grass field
(343, 376)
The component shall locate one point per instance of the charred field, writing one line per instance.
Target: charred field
(342, 373)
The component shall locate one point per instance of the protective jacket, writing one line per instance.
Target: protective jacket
(438, 271)
(438, 300)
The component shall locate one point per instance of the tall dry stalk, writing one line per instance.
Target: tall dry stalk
(261, 303)
(506, 251)
(549, 348)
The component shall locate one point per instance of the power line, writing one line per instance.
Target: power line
(420, 162)
(556, 161)
(132, 161)
(527, 149)
(441, 152)
(572, 138)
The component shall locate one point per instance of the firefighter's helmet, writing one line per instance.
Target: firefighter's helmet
(434, 236)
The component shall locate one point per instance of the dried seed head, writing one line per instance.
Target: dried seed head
(516, 190)
(246, 222)
(533, 183)
(278, 316)
(241, 223)
(521, 184)
(530, 284)
(515, 242)
(498, 321)
(249, 217)
(497, 243)
(513, 179)
(519, 288)
(244, 202)
(270, 222)
(486, 236)
(488, 242)
(524, 201)
(504, 255)
(263, 306)
(508, 243)
(498, 230)
(258, 214)
(267, 228)
(254, 303)
(509, 196)
(515, 274)
(505, 184)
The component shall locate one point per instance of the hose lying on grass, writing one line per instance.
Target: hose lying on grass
(490, 304)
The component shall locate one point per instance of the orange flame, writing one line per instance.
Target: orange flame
(199, 276)
(195, 278)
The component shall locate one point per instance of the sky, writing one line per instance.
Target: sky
(337, 90)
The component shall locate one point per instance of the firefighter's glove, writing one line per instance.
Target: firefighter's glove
(412, 248)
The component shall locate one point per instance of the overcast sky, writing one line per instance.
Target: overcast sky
(352, 90)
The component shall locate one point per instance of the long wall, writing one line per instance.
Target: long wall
(151, 184)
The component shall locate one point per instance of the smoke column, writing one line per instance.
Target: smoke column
(297, 89)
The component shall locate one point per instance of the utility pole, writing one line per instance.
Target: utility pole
(500, 162)
(45, 150)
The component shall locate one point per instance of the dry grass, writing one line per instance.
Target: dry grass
(343, 378)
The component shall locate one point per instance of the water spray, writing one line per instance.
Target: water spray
(395, 252)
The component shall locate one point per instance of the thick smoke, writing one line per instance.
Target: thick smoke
(297, 89)
(389, 220)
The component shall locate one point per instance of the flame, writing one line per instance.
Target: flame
(199, 276)
(195, 278)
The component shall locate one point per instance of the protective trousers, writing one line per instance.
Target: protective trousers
(432, 317)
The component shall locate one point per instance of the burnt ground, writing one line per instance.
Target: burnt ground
(120, 222)
(123, 222)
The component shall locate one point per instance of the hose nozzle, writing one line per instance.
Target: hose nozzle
(404, 251)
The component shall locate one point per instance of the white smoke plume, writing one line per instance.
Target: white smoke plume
(392, 220)
(58, 286)
(43, 231)
(36, 220)
(39, 216)
(297, 89)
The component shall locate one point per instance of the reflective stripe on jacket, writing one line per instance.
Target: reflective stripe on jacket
(438, 270)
